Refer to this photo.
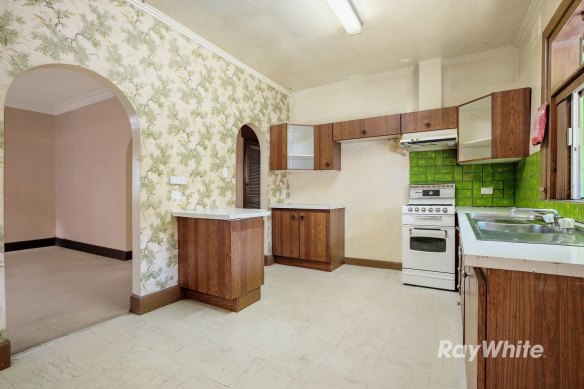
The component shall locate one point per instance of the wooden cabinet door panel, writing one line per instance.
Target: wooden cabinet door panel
(366, 128)
(285, 233)
(314, 235)
(429, 120)
(327, 152)
(510, 123)
(475, 322)
(279, 147)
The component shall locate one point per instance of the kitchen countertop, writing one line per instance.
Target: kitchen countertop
(223, 213)
(537, 258)
(308, 206)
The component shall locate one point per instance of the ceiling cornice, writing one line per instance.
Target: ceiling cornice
(140, 4)
(480, 55)
(528, 19)
(73, 104)
(357, 81)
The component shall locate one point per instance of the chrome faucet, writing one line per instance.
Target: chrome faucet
(537, 212)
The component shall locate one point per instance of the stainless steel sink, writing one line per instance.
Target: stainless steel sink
(515, 228)
(507, 228)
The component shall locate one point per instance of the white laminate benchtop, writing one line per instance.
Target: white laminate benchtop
(223, 213)
(308, 206)
(537, 258)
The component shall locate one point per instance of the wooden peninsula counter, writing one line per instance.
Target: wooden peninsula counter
(221, 256)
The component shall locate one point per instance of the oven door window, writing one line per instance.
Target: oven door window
(428, 244)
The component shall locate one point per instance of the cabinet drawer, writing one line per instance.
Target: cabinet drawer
(429, 120)
(366, 128)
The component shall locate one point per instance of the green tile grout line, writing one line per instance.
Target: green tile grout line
(438, 167)
(514, 184)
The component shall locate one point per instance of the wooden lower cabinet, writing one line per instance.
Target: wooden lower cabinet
(221, 262)
(514, 306)
(313, 239)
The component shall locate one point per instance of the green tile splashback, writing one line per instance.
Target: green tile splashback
(527, 183)
(435, 167)
(514, 184)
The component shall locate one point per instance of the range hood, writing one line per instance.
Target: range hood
(430, 140)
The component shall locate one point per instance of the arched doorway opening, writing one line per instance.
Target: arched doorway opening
(71, 201)
(251, 168)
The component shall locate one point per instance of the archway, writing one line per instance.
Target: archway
(130, 151)
(251, 167)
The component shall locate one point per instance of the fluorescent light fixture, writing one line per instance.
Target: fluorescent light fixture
(347, 15)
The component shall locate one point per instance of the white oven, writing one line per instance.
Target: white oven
(428, 240)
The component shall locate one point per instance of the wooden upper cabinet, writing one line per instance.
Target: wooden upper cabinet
(279, 147)
(327, 152)
(511, 112)
(429, 120)
(367, 128)
(495, 127)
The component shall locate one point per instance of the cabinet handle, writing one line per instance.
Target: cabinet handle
(293, 217)
(327, 164)
(301, 217)
(363, 132)
(427, 124)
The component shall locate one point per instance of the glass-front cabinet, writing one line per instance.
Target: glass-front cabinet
(567, 48)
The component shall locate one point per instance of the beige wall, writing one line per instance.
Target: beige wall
(93, 175)
(29, 165)
(69, 176)
(530, 55)
(374, 179)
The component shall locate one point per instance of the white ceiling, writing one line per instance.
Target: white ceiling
(300, 44)
(54, 91)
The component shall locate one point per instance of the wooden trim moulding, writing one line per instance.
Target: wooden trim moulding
(4, 354)
(373, 263)
(93, 249)
(268, 260)
(150, 302)
(29, 244)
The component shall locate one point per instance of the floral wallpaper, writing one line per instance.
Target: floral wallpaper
(190, 104)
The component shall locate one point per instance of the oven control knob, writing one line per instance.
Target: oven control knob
(430, 210)
(417, 209)
(409, 209)
(437, 209)
(444, 210)
(423, 209)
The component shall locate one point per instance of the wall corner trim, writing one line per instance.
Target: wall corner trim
(150, 302)
(5, 354)
(140, 4)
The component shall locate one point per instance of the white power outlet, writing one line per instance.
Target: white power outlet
(225, 173)
(487, 191)
(178, 180)
(175, 195)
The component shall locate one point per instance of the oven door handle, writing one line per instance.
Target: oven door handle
(427, 217)
(427, 233)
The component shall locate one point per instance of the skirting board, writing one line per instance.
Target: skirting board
(268, 260)
(69, 244)
(373, 263)
(150, 302)
(93, 249)
(29, 244)
(4, 354)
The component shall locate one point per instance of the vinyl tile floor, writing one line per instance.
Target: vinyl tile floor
(356, 327)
